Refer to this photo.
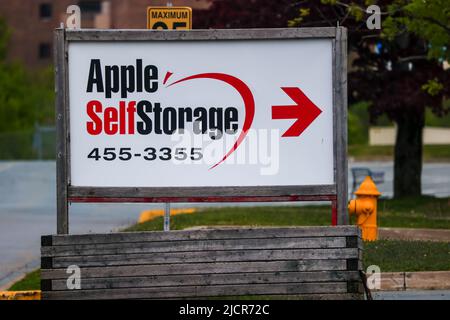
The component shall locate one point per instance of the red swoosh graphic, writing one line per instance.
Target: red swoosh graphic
(246, 95)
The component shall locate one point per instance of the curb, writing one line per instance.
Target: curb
(426, 280)
(20, 295)
(148, 215)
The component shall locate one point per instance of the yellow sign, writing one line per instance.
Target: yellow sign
(163, 18)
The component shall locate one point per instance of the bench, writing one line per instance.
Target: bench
(305, 262)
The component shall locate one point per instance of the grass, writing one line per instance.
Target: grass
(417, 212)
(239, 216)
(431, 153)
(364, 152)
(423, 212)
(32, 281)
(399, 255)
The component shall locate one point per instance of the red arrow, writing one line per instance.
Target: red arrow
(304, 111)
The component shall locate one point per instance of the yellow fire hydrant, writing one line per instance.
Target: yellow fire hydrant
(365, 209)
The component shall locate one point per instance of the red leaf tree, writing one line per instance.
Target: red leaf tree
(395, 74)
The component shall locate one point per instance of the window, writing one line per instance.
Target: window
(90, 7)
(45, 51)
(45, 10)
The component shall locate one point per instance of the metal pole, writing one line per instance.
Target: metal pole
(167, 216)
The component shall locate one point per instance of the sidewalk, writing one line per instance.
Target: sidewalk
(425, 280)
(412, 295)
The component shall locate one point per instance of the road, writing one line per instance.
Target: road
(435, 177)
(28, 205)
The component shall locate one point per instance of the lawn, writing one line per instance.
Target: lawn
(32, 281)
(423, 212)
(399, 255)
(363, 152)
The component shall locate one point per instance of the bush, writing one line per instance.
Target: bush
(358, 124)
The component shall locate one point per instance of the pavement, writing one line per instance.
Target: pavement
(423, 280)
(435, 177)
(28, 209)
(412, 295)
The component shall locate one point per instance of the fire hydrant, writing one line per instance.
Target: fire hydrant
(365, 209)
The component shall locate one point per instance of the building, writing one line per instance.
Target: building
(32, 22)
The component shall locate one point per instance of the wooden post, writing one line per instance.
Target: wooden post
(62, 215)
(340, 85)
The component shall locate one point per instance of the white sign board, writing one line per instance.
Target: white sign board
(206, 113)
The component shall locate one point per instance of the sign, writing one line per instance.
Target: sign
(163, 18)
(246, 115)
(242, 116)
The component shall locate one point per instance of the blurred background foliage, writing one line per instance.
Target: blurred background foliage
(359, 122)
(27, 96)
(26, 102)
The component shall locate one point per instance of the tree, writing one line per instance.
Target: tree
(398, 69)
(26, 97)
(234, 14)
(429, 20)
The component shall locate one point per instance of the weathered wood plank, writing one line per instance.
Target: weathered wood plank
(204, 256)
(187, 194)
(199, 35)
(200, 291)
(212, 234)
(194, 245)
(340, 105)
(201, 268)
(211, 279)
(309, 296)
(61, 122)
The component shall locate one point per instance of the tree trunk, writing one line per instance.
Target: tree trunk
(408, 154)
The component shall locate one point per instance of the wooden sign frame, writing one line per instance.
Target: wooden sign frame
(336, 193)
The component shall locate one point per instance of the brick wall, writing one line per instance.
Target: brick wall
(32, 33)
